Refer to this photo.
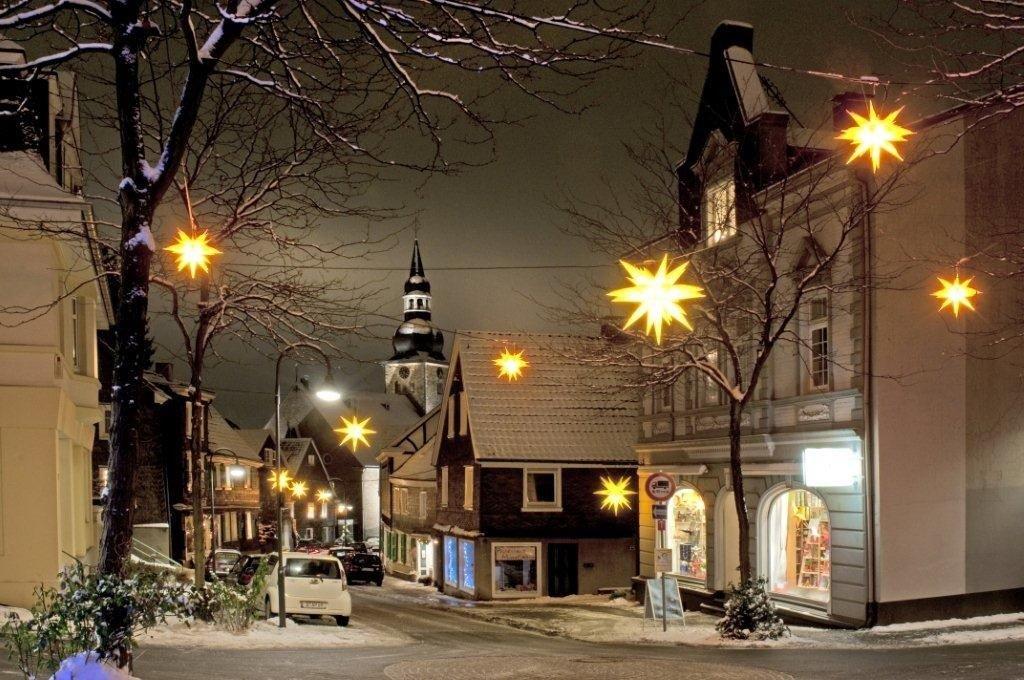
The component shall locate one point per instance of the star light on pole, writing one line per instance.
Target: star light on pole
(323, 495)
(193, 252)
(281, 481)
(873, 135)
(298, 489)
(955, 293)
(657, 296)
(511, 364)
(354, 431)
(616, 494)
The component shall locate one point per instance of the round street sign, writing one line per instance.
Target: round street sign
(660, 487)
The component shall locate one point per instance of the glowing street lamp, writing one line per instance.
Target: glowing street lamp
(955, 293)
(511, 364)
(354, 431)
(873, 135)
(616, 494)
(193, 252)
(657, 296)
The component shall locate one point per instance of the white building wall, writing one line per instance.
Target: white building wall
(371, 502)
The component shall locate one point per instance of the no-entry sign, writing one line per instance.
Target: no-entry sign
(660, 487)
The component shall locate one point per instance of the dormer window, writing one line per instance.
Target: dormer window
(719, 210)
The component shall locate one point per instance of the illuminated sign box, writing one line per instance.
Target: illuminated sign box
(831, 467)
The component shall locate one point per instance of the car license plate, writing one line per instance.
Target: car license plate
(313, 604)
(367, 569)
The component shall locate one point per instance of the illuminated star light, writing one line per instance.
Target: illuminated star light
(873, 135)
(323, 495)
(281, 481)
(355, 431)
(657, 296)
(955, 293)
(616, 494)
(193, 252)
(298, 489)
(511, 364)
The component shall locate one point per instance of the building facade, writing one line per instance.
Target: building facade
(518, 467)
(872, 497)
(53, 307)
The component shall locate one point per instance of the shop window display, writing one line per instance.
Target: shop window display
(451, 560)
(799, 534)
(686, 531)
(515, 570)
(467, 562)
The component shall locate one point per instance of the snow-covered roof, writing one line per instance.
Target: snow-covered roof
(24, 178)
(223, 436)
(293, 450)
(746, 83)
(560, 410)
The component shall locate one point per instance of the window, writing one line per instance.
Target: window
(467, 490)
(76, 334)
(312, 568)
(542, 489)
(467, 565)
(310, 510)
(444, 486)
(799, 546)
(515, 569)
(451, 561)
(311, 459)
(712, 392)
(102, 480)
(719, 214)
(820, 365)
(423, 505)
(686, 531)
(249, 529)
(323, 510)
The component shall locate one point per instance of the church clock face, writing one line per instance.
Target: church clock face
(403, 373)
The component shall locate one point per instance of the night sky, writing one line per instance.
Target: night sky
(505, 213)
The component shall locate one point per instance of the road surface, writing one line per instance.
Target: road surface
(450, 646)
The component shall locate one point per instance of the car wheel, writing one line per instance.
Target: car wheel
(266, 608)
(380, 582)
(342, 620)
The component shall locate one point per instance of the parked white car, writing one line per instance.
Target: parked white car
(315, 585)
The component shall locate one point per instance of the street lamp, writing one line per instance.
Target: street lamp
(327, 392)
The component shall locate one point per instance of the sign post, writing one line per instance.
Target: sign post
(660, 487)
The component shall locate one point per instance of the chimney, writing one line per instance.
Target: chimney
(845, 102)
(166, 369)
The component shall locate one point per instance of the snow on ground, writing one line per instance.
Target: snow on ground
(598, 618)
(87, 666)
(266, 635)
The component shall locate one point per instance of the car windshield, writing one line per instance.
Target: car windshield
(363, 560)
(301, 568)
(224, 561)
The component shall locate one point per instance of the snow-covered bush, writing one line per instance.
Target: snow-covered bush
(235, 608)
(750, 613)
(91, 612)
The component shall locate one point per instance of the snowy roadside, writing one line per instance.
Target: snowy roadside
(266, 635)
(596, 618)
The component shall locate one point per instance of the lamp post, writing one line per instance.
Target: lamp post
(327, 392)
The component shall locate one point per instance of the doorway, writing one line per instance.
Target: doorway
(727, 543)
(563, 569)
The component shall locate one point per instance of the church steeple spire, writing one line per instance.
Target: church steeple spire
(416, 268)
(417, 335)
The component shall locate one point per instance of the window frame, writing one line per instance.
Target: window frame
(444, 486)
(542, 506)
(468, 479)
(712, 191)
(818, 324)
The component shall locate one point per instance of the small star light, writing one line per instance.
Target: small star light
(511, 364)
(193, 252)
(873, 135)
(298, 489)
(281, 481)
(955, 293)
(323, 495)
(616, 494)
(355, 431)
(657, 295)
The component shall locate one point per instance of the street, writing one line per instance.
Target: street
(452, 646)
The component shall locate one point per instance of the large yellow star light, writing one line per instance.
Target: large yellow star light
(193, 252)
(355, 431)
(323, 495)
(616, 494)
(955, 293)
(511, 364)
(281, 481)
(657, 295)
(298, 489)
(873, 135)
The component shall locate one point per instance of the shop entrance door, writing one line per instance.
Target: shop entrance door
(728, 544)
(563, 569)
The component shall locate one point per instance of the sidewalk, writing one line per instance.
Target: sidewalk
(596, 618)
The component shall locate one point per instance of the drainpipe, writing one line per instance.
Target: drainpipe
(867, 371)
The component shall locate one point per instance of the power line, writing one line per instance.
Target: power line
(263, 265)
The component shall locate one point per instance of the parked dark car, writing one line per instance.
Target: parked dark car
(364, 567)
(245, 569)
(220, 562)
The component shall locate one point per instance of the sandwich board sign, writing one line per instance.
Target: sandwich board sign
(662, 601)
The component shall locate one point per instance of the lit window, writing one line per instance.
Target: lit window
(799, 545)
(467, 564)
(720, 211)
(820, 365)
(515, 569)
(451, 561)
(310, 510)
(712, 391)
(686, 529)
(467, 491)
(423, 505)
(542, 489)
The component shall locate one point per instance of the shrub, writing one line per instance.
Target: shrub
(236, 608)
(750, 613)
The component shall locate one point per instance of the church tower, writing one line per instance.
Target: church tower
(418, 366)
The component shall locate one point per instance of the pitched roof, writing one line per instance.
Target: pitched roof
(223, 436)
(293, 450)
(256, 437)
(23, 177)
(560, 410)
(412, 439)
(419, 466)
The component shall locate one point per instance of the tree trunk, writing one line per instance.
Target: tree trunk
(196, 471)
(738, 494)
